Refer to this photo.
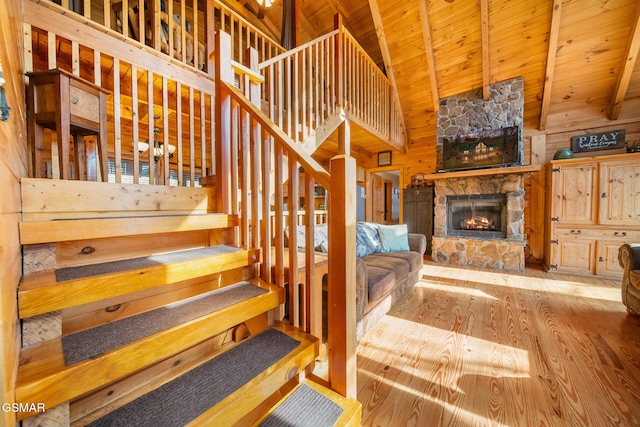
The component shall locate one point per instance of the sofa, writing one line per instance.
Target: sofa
(629, 259)
(388, 264)
(385, 274)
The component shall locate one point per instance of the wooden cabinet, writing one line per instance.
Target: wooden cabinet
(594, 208)
(620, 192)
(417, 211)
(574, 188)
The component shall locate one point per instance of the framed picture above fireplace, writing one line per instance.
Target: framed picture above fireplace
(483, 149)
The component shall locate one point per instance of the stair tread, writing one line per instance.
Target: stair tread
(42, 292)
(64, 230)
(44, 375)
(312, 404)
(197, 396)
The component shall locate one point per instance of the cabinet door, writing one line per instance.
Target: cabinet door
(574, 190)
(620, 192)
(607, 258)
(409, 215)
(573, 255)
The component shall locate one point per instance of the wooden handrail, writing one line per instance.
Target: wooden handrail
(296, 49)
(300, 86)
(135, 99)
(253, 37)
(184, 40)
(249, 146)
(307, 86)
(373, 100)
(309, 164)
(242, 70)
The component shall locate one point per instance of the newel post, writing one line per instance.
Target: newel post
(223, 72)
(342, 272)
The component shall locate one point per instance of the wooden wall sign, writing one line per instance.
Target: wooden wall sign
(598, 141)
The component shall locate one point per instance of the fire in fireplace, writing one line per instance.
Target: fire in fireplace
(481, 215)
(477, 222)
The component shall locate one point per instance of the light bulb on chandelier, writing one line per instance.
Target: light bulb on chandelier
(158, 146)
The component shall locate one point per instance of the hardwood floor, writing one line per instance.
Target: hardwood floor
(469, 347)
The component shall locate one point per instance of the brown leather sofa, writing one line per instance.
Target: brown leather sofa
(629, 259)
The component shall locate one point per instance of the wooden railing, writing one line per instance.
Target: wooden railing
(319, 217)
(307, 86)
(245, 35)
(306, 90)
(299, 87)
(248, 146)
(145, 106)
(177, 28)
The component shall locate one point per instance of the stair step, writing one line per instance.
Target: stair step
(65, 230)
(312, 404)
(224, 389)
(42, 292)
(44, 376)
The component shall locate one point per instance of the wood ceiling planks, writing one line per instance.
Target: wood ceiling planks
(582, 71)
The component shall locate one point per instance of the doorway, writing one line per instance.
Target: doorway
(384, 205)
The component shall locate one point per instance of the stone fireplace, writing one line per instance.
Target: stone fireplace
(488, 231)
(479, 214)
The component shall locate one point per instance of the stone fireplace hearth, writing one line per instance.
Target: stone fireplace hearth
(495, 249)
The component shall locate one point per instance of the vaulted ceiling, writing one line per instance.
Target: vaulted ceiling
(577, 57)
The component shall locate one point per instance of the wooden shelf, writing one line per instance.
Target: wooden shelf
(484, 172)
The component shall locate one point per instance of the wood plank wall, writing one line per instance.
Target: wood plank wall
(12, 167)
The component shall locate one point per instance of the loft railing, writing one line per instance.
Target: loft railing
(254, 155)
(244, 35)
(177, 28)
(299, 87)
(306, 87)
(145, 106)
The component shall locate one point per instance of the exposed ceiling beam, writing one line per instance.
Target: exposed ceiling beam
(484, 14)
(386, 57)
(624, 77)
(338, 8)
(428, 51)
(554, 31)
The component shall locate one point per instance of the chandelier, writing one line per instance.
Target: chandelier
(158, 146)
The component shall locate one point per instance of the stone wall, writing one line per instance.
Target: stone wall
(469, 112)
(497, 254)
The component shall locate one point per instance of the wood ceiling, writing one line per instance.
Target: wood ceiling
(577, 57)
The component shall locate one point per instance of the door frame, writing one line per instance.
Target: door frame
(368, 210)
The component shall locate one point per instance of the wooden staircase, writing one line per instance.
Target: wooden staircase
(184, 258)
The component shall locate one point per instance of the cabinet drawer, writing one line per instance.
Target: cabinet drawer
(598, 233)
(83, 104)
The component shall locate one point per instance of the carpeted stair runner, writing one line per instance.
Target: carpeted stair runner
(71, 273)
(304, 408)
(95, 341)
(185, 398)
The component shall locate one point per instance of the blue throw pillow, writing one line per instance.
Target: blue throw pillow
(367, 240)
(320, 237)
(393, 238)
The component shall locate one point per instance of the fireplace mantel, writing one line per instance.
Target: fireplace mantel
(484, 172)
